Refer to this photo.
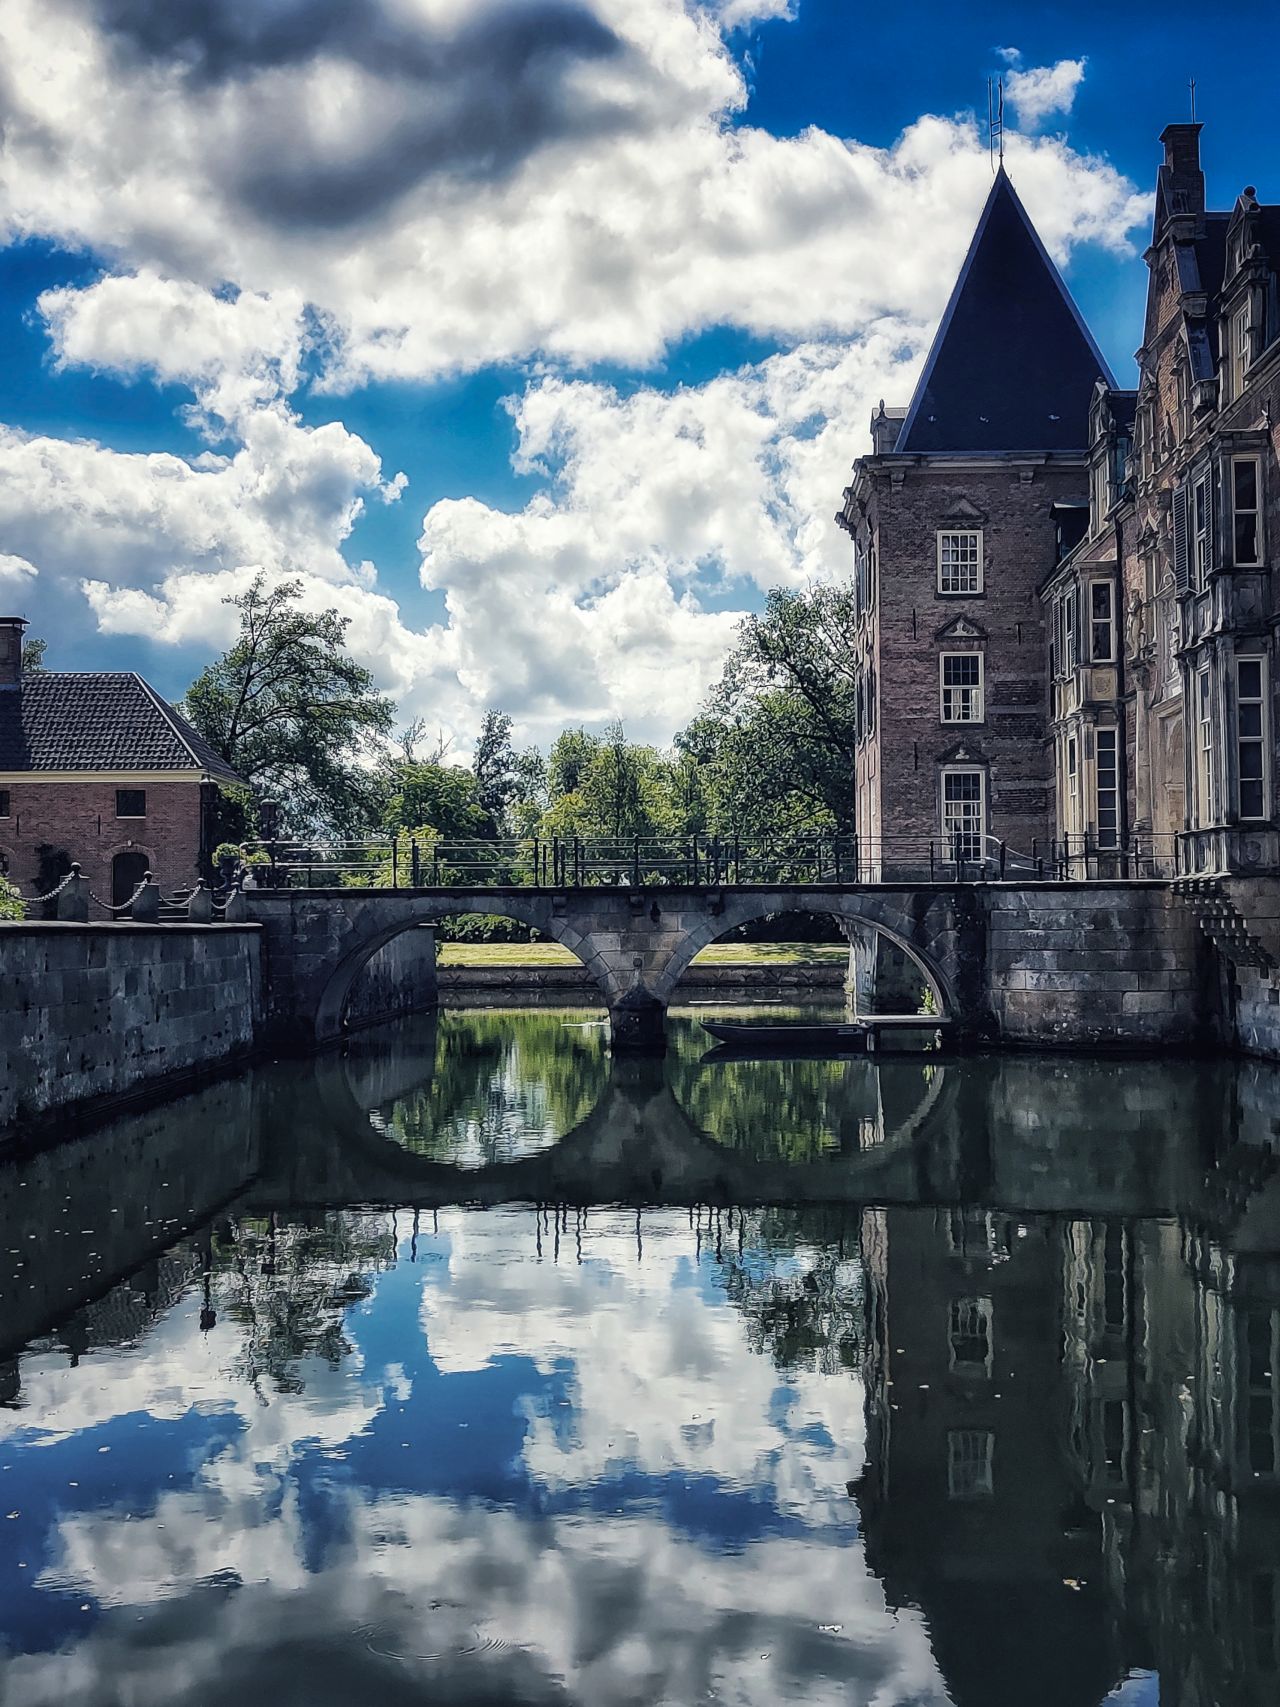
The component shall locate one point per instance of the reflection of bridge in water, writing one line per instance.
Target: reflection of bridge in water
(1097, 1139)
(910, 1131)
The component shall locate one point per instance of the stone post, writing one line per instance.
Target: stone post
(200, 904)
(73, 898)
(144, 909)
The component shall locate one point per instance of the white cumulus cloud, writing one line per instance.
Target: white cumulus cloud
(1040, 90)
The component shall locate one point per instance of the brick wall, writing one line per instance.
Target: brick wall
(80, 818)
(911, 742)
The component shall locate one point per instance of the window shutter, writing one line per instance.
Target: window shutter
(1181, 540)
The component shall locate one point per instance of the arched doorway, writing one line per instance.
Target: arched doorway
(127, 871)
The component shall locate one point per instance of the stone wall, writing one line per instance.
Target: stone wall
(91, 1012)
(1099, 966)
(399, 979)
(1251, 993)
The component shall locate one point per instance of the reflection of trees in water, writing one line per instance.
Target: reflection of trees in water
(289, 1286)
(504, 1084)
(795, 1276)
(782, 1110)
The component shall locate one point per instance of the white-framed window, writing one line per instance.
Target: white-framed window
(1102, 622)
(960, 560)
(1204, 747)
(970, 1463)
(1201, 530)
(969, 1335)
(1107, 787)
(1246, 505)
(1100, 496)
(1251, 736)
(1241, 348)
(960, 687)
(964, 812)
(1065, 626)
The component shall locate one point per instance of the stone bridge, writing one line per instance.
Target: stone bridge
(635, 945)
(1081, 964)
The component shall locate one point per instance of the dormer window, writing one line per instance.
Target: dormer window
(1241, 349)
(1100, 496)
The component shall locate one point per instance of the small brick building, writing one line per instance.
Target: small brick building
(963, 506)
(96, 767)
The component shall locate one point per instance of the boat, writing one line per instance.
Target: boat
(848, 1038)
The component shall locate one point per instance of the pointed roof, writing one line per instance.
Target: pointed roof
(1013, 365)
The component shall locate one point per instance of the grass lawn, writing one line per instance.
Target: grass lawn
(716, 954)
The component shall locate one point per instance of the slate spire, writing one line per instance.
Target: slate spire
(1013, 365)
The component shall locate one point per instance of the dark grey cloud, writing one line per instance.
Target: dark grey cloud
(474, 103)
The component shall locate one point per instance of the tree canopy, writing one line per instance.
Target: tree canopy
(292, 712)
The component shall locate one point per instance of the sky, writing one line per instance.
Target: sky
(535, 336)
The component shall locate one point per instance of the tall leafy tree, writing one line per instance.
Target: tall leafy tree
(292, 712)
(495, 766)
(788, 706)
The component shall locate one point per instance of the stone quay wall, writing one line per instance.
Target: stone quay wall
(400, 979)
(1094, 965)
(492, 986)
(92, 1012)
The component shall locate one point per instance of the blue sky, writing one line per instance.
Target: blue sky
(611, 286)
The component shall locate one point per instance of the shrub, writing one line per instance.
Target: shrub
(12, 906)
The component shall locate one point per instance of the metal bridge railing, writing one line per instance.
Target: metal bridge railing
(697, 861)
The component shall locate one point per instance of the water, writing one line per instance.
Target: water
(822, 1382)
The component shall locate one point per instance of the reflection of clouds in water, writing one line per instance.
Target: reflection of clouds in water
(662, 1380)
(618, 1612)
(592, 1596)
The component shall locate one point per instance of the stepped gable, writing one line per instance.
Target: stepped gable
(1013, 365)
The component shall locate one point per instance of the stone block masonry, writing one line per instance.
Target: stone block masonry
(1099, 966)
(90, 1013)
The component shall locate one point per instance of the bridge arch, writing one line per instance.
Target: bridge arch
(855, 907)
(370, 934)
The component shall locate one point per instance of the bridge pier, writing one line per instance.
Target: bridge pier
(638, 1023)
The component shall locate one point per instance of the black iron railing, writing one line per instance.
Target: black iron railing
(698, 861)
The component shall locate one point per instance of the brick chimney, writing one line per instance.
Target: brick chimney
(11, 629)
(1181, 180)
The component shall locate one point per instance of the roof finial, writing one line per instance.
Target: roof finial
(995, 122)
(1192, 87)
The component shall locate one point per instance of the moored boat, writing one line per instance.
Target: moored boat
(794, 1035)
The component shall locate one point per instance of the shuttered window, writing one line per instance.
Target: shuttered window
(1181, 539)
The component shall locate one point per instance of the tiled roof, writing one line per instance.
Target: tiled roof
(98, 720)
(1013, 366)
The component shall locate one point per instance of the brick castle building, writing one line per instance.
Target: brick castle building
(96, 767)
(1163, 670)
(1067, 618)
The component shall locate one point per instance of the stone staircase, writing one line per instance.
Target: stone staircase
(1225, 925)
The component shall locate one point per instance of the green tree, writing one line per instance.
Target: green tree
(289, 710)
(495, 766)
(571, 752)
(444, 797)
(787, 711)
(33, 652)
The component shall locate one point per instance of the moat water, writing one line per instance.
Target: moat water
(471, 1366)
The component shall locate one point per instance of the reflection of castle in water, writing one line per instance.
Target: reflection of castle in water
(1073, 1458)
